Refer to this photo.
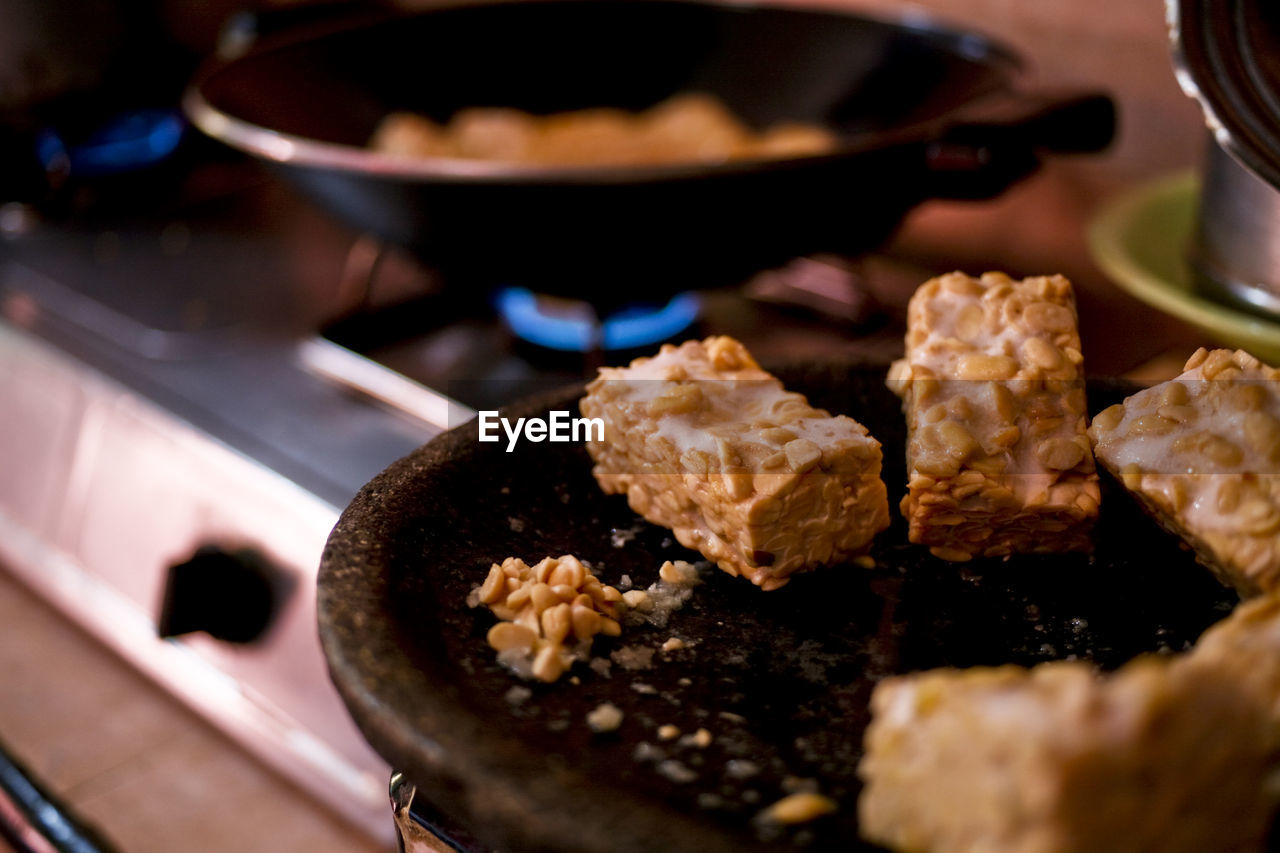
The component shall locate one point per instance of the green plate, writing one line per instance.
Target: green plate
(1140, 239)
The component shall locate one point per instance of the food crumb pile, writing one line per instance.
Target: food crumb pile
(549, 613)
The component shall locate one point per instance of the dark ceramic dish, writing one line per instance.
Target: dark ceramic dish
(780, 679)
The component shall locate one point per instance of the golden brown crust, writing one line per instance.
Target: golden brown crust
(993, 391)
(1202, 454)
(703, 441)
(1168, 753)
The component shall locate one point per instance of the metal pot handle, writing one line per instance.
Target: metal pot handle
(1000, 141)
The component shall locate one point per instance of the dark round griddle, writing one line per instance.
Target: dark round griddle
(781, 679)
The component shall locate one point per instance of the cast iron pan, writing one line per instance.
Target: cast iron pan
(781, 679)
(921, 111)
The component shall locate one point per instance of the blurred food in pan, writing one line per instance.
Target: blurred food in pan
(691, 127)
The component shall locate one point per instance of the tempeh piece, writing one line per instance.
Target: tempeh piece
(998, 461)
(1202, 454)
(1169, 753)
(703, 441)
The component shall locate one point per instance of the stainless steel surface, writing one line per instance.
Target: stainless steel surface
(105, 491)
(1236, 249)
(1224, 59)
(163, 392)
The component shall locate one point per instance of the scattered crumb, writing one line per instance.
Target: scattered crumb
(559, 725)
(602, 667)
(516, 524)
(685, 682)
(676, 771)
(625, 583)
(645, 689)
(799, 785)
(606, 717)
(668, 732)
(518, 662)
(865, 562)
(679, 573)
(729, 716)
(673, 644)
(633, 657)
(673, 588)
(740, 768)
(797, 808)
(638, 600)
(701, 739)
(646, 751)
(620, 536)
(710, 801)
(517, 695)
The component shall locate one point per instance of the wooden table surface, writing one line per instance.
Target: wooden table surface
(130, 760)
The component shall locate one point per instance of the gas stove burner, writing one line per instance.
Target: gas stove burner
(567, 325)
(130, 141)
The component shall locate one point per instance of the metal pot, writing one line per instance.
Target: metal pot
(1226, 54)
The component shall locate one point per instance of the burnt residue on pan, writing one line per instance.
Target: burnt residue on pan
(779, 680)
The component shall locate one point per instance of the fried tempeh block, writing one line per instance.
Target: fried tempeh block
(998, 461)
(703, 441)
(1168, 753)
(1202, 454)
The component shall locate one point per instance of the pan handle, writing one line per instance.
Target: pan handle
(1003, 140)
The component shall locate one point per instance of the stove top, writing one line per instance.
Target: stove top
(481, 351)
(195, 362)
